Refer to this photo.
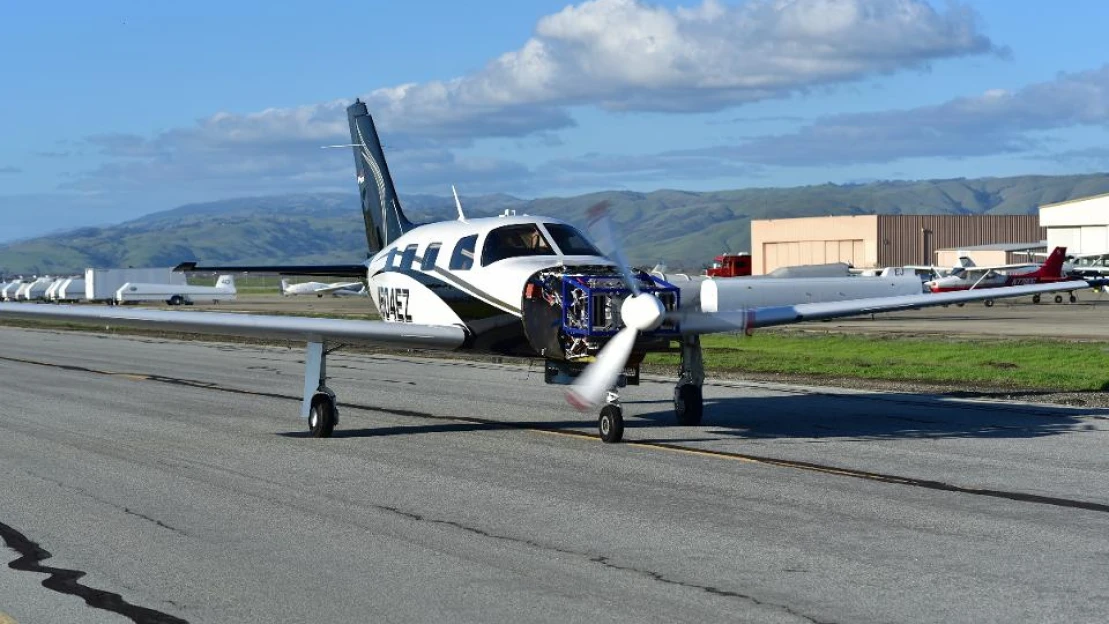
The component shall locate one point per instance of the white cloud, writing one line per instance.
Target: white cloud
(613, 54)
(996, 121)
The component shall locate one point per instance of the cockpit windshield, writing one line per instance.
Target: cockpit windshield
(570, 241)
(512, 241)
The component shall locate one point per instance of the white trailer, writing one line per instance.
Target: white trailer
(103, 284)
(224, 290)
(72, 289)
(52, 290)
(7, 293)
(34, 291)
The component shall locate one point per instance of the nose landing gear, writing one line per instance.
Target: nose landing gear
(611, 422)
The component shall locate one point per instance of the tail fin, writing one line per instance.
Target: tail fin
(965, 262)
(226, 282)
(284, 286)
(1053, 266)
(385, 221)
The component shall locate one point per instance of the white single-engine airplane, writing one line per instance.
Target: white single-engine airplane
(338, 289)
(517, 285)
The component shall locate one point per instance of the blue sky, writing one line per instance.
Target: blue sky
(116, 109)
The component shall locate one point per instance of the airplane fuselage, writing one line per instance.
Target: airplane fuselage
(474, 273)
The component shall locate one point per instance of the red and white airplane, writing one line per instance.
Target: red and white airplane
(985, 277)
(519, 285)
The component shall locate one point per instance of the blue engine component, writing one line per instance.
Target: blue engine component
(591, 303)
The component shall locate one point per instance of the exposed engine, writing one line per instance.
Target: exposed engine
(570, 312)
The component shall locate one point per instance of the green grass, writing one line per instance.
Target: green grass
(1039, 364)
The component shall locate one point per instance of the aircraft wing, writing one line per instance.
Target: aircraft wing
(770, 316)
(336, 270)
(402, 335)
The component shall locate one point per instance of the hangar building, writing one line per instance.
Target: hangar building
(869, 241)
(1080, 225)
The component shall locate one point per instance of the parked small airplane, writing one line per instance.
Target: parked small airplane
(987, 277)
(338, 289)
(520, 285)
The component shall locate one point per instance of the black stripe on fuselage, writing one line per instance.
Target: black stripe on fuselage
(491, 328)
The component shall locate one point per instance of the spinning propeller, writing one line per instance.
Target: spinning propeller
(642, 311)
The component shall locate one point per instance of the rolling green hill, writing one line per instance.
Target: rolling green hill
(683, 229)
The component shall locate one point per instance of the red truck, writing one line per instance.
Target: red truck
(730, 265)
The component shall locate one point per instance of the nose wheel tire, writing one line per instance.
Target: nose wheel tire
(689, 405)
(989, 303)
(1058, 298)
(610, 425)
(1073, 299)
(322, 417)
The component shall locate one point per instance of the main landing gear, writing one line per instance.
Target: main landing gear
(689, 403)
(318, 404)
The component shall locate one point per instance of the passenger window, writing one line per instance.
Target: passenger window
(407, 257)
(463, 257)
(431, 254)
(512, 241)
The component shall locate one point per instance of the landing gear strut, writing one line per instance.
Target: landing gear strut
(318, 404)
(611, 422)
(689, 403)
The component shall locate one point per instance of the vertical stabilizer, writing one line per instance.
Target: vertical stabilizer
(385, 221)
(284, 286)
(226, 282)
(1053, 266)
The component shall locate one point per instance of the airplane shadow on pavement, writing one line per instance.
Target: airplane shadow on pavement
(876, 416)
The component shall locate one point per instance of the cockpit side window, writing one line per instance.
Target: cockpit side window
(463, 257)
(430, 255)
(571, 241)
(512, 241)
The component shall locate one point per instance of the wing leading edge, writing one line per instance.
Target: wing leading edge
(770, 316)
(400, 335)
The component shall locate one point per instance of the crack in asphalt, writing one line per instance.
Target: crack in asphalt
(65, 581)
(597, 559)
(715, 591)
(127, 510)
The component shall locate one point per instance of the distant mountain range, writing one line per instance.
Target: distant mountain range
(682, 229)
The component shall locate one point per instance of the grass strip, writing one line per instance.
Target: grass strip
(999, 362)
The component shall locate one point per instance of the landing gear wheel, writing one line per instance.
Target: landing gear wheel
(1035, 298)
(611, 424)
(176, 300)
(321, 418)
(689, 405)
(988, 303)
(1058, 298)
(1073, 299)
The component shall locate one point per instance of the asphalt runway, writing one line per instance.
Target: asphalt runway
(176, 477)
(1084, 320)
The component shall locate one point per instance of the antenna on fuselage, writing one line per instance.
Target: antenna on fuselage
(458, 204)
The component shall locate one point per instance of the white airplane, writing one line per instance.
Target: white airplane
(519, 285)
(338, 289)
